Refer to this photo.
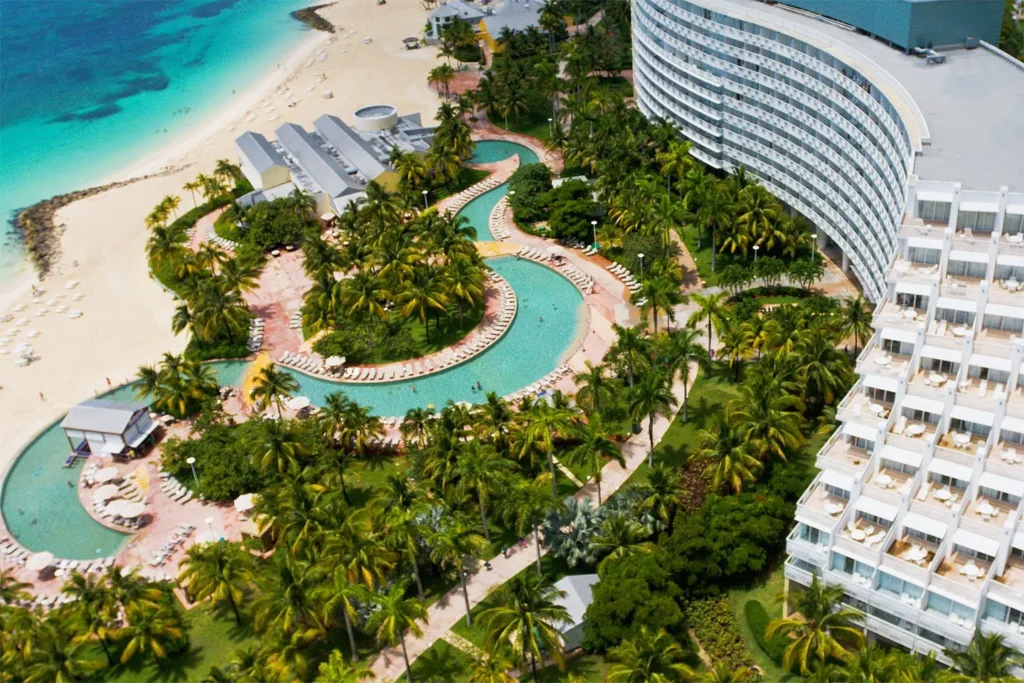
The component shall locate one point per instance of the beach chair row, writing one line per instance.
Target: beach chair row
(472, 192)
(68, 567)
(587, 249)
(175, 491)
(12, 552)
(181, 534)
(496, 222)
(583, 282)
(303, 362)
(623, 274)
(255, 340)
(295, 322)
(541, 384)
(533, 254)
(225, 244)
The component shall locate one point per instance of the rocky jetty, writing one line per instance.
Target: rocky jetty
(310, 17)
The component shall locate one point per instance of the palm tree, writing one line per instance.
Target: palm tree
(821, 628)
(150, 629)
(621, 536)
(227, 171)
(651, 397)
(712, 308)
(526, 619)
(855, 321)
(279, 448)
(129, 590)
(491, 670)
(289, 597)
(723, 672)
(824, 371)
(658, 294)
(987, 659)
(542, 424)
(770, 420)
(723, 446)
(630, 350)
(57, 655)
(675, 161)
(683, 350)
(868, 665)
(411, 170)
(220, 571)
(343, 595)
(414, 426)
(165, 245)
(594, 450)
(451, 546)
(481, 471)
(93, 610)
(404, 531)
(301, 203)
(648, 657)
(12, 590)
(525, 504)
(594, 387)
(737, 343)
(364, 292)
(271, 386)
(192, 186)
(465, 281)
(395, 615)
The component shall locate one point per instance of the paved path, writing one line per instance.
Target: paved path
(446, 612)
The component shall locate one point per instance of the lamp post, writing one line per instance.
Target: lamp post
(593, 232)
(425, 205)
(192, 463)
(814, 245)
(551, 126)
(641, 257)
(756, 247)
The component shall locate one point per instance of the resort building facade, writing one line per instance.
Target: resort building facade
(837, 124)
(335, 161)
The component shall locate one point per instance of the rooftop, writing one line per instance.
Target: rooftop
(971, 104)
(100, 415)
(261, 154)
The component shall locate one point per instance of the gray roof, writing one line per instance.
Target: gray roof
(578, 596)
(354, 148)
(973, 104)
(457, 8)
(100, 415)
(314, 160)
(515, 15)
(260, 153)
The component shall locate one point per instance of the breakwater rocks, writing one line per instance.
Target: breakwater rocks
(310, 17)
(38, 229)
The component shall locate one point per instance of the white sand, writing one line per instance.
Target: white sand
(126, 316)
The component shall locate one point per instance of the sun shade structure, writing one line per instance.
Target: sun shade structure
(99, 427)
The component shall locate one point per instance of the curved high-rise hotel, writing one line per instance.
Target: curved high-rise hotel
(898, 130)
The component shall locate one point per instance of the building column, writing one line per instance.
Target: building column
(846, 263)
(822, 240)
(785, 597)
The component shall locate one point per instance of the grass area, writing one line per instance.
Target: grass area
(710, 392)
(590, 668)
(533, 124)
(225, 226)
(702, 256)
(440, 663)
(616, 85)
(213, 641)
(467, 176)
(767, 590)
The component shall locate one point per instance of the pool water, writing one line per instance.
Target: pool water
(39, 498)
(478, 211)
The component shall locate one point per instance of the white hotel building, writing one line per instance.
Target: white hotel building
(907, 167)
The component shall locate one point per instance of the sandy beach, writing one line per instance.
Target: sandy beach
(125, 316)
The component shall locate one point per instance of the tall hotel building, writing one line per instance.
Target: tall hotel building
(898, 130)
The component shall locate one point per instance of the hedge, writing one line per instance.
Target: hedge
(714, 625)
(757, 619)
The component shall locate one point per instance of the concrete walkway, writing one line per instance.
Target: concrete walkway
(446, 612)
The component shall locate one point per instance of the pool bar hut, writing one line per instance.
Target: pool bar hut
(109, 429)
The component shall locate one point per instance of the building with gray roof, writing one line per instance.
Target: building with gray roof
(579, 594)
(260, 162)
(453, 10)
(107, 428)
(351, 146)
(514, 15)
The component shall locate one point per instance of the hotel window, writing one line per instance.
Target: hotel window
(848, 565)
(997, 376)
(894, 466)
(813, 535)
(874, 519)
(837, 492)
(922, 536)
(937, 212)
(946, 480)
(942, 604)
(1013, 223)
(892, 619)
(1011, 437)
(1000, 612)
(971, 552)
(954, 316)
(996, 494)
(924, 256)
(862, 444)
(887, 582)
(977, 221)
(898, 347)
(1009, 272)
(946, 367)
(880, 394)
(966, 269)
(1003, 322)
(942, 641)
(956, 424)
(918, 301)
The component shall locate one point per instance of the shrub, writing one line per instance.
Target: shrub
(572, 218)
(757, 620)
(530, 183)
(468, 53)
(272, 224)
(197, 350)
(714, 625)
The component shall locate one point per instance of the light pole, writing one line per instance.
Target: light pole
(756, 247)
(551, 126)
(425, 205)
(814, 245)
(641, 257)
(593, 232)
(192, 463)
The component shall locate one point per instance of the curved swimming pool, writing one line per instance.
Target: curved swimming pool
(39, 497)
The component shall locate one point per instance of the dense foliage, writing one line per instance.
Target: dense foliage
(714, 625)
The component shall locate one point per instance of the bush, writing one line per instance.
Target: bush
(571, 219)
(272, 224)
(468, 53)
(633, 590)
(530, 201)
(364, 342)
(714, 625)
(197, 350)
(757, 620)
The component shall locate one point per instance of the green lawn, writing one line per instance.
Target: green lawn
(702, 256)
(767, 590)
(225, 227)
(440, 663)
(213, 640)
(533, 124)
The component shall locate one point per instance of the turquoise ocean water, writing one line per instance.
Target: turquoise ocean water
(89, 87)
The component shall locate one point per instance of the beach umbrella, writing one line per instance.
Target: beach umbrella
(132, 510)
(244, 502)
(39, 561)
(297, 403)
(107, 491)
(334, 361)
(115, 507)
(106, 474)
(555, 250)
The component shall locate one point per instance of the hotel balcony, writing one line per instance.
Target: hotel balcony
(913, 430)
(891, 314)
(1006, 458)
(947, 335)
(822, 506)
(930, 383)
(1008, 246)
(909, 271)
(888, 485)
(987, 515)
(968, 240)
(861, 537)
(905, 552)
(858, 406)
(992, 342)
(918, 227)
(979, 393)
(1012, 578)
(956, 569)
(877, 361)
(816, 554)
(936, 500)
(843, 456)
(959, 447)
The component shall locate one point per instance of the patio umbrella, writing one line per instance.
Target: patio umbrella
(244, 502)
(132, 510)
(297, 403)
(555, 250)
(141, 477)
(115, 507)
(334, 361)
(106, 474)
(106, 492)
(39, 561)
